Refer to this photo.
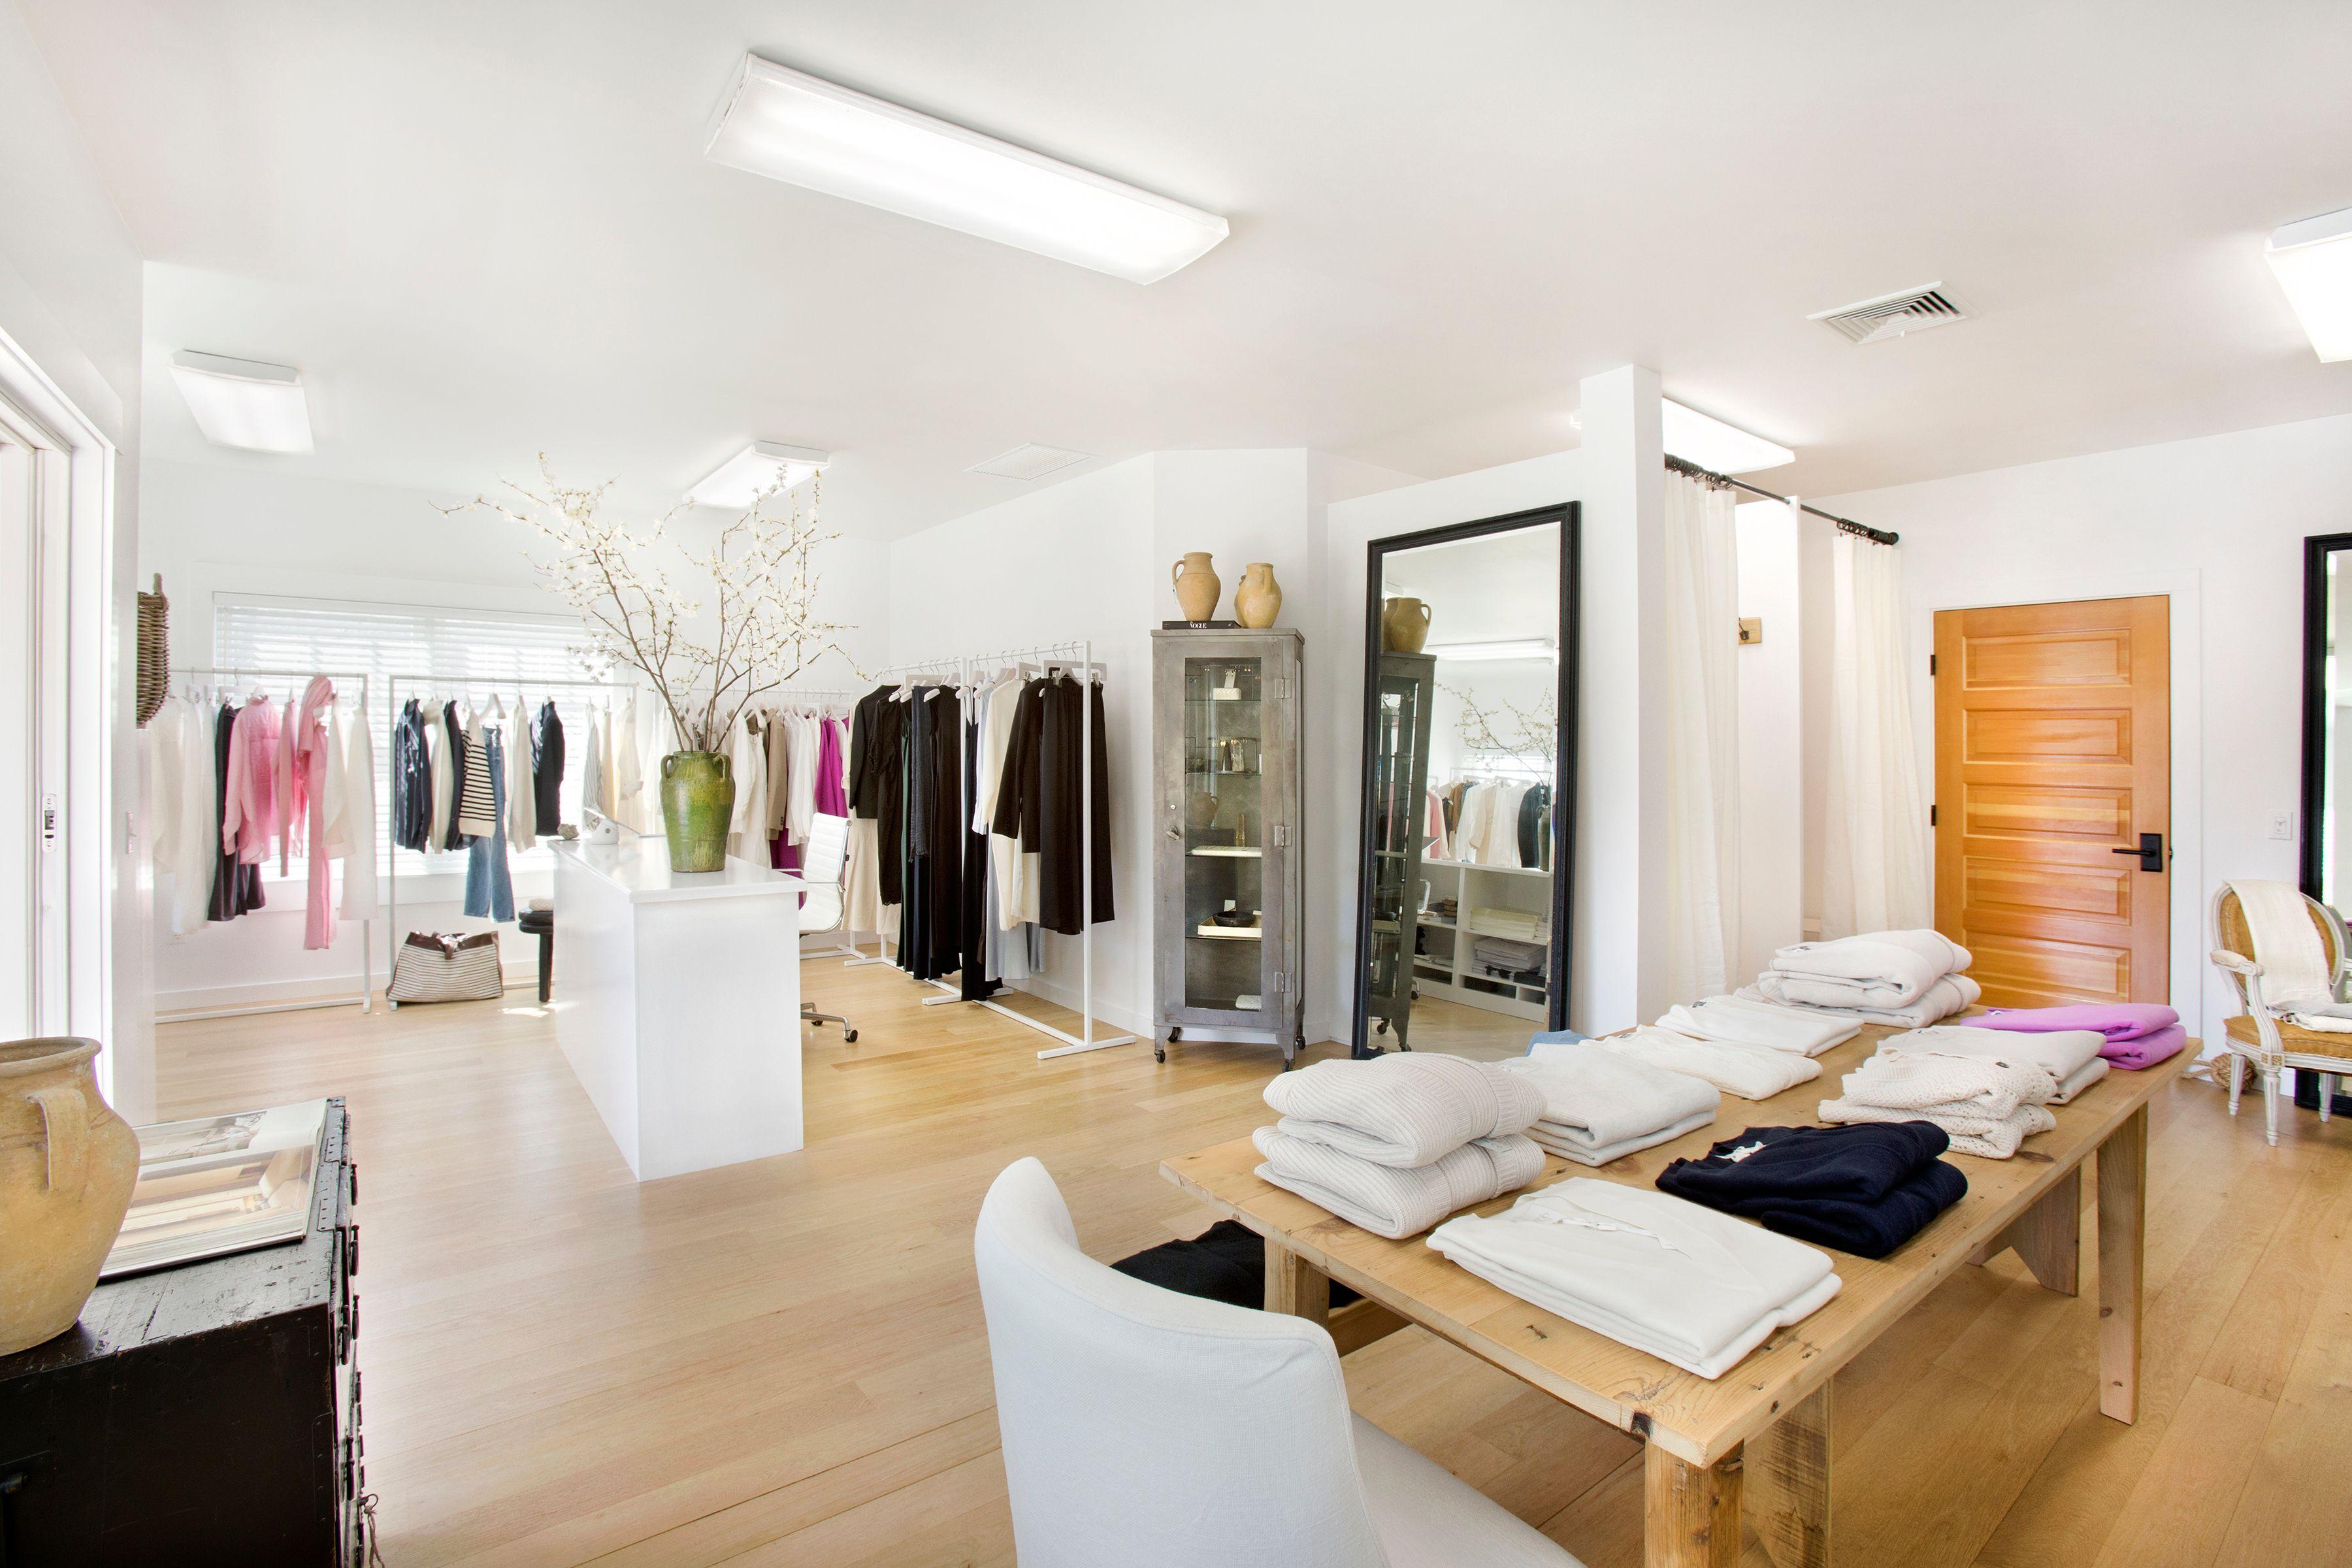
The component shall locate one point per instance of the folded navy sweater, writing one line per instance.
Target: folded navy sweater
(1867, 1194)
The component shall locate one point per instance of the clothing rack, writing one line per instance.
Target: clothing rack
(790, 697)
(367, 937)
(1074, 658)
(464, 686)
(1709, 477)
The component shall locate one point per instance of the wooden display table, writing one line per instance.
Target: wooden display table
(1769, 1413)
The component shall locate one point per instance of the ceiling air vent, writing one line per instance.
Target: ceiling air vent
(1892, 315)
(1031, 461)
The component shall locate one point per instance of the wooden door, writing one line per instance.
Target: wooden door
(2052, 759)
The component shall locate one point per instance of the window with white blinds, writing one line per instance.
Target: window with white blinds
(472, 653)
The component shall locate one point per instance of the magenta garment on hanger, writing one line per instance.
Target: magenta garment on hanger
(306, 748)
(832, 800)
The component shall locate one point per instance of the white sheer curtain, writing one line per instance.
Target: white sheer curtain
(1874, 862)
(1702, 739)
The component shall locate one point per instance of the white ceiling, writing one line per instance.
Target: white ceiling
(484, 229)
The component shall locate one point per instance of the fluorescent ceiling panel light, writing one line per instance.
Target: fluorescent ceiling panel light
(1029, 461)
(805, 131)
(1696, 437)
(1491, 652)
(2312, 261)
(761, 467)
(243, 404)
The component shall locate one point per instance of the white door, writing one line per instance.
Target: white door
(35, 530)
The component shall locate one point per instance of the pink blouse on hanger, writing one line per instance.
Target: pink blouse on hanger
(305, 744)
(254, 811)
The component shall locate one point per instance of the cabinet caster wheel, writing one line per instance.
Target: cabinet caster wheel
(848, 1036)
(1159, 1053)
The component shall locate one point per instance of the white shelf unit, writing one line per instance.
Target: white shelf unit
(1446, 971)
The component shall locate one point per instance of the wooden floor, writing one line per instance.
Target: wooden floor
(784, 1363)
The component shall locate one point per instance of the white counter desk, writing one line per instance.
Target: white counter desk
(677, 1003)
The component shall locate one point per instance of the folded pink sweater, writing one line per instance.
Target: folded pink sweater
(2138, 1033)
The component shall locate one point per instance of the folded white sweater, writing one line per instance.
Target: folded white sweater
(1750, 1023)
(1403, 1110)
(1877, 969)
(1692, 1287)
(1751, 1072)
(2064, 1052)
(1546, 1136)
(1595, 1098)
(1993, 1138)
(1952, 994)
(1973, 1085)
(1390, 1202)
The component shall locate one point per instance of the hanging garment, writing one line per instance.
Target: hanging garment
(1041, 799)
(522, 788)
(547, 769)
(667, 741)
(478, 803)
(412, 780)
(976, 933)
(800, 803)
(861, 871)
(250, 819)
(780, 776)
(237, 883)
(628, 768)
(308, 754)
(877, 785)
(1535, 815)
(196, 839)
(1006, 861)
(831, 747)
(456, 720)
(912, 849)
(592, 767)
(444, 774)
(490, 889)
(358, 834)
(294, 807)
(166, 771)
(747, 760)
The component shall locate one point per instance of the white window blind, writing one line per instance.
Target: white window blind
(474, 654)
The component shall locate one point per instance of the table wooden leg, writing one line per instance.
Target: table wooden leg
(2048, 1236)
(1690, 1516)
(1788, 1484)
(1295, 1286)
(2123, 1237)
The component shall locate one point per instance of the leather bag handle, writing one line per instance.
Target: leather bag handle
(64, 1127)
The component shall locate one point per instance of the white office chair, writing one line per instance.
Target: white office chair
(1156, 1430)
(823, 853)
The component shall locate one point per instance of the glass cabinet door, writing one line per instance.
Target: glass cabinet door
(1400, 753)
(1225, 834)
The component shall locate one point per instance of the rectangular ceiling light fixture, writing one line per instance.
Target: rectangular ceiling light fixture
(1029, 461)
(761, 467)
(243, 404)
(2313, 260)
(803, 130)
(1696, 437)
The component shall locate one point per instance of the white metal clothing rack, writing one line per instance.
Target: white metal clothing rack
(466, 686)
(367, 939)
(1074, 658)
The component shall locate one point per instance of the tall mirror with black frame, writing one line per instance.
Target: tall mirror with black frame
(2326, 870)
(1469, 759)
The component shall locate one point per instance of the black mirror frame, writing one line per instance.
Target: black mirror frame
(1568, 515)
(2317, 549)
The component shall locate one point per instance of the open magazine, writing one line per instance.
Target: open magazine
(219, 1185)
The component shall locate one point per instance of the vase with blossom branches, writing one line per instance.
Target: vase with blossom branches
(762, 628)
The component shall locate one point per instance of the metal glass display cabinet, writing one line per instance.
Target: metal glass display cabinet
(1227, 889)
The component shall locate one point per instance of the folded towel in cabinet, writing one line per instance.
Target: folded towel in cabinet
(1751, 1072)
(1594, 1099)
(1748, 1023)
(1390, 1202)
(1403, 1110)
(1693, 1287)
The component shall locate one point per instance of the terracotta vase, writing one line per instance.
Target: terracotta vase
(698, 794)
(1404, 625)
(1197, 586)
(1259, 598)
(67, 1167)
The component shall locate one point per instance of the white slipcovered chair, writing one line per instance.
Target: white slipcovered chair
(2267, 1035)
(1151, 1429)
(823, 853)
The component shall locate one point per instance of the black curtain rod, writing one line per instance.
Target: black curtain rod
(1708, 476)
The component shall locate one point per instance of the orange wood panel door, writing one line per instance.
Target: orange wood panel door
(2053, 758)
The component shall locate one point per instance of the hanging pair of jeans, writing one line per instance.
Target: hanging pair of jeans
(489, 891)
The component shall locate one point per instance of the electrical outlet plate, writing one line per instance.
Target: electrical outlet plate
(2282, 825)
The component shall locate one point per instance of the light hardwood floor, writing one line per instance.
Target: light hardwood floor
(784, 1363)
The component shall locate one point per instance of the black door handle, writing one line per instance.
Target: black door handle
(2150, 852)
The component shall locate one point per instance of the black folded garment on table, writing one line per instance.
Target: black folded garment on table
(1864, 1189)
(1225, 1263)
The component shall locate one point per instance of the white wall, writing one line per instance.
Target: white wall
(69, 297)
(1771, 739)
(246, 529)
(2217, 522)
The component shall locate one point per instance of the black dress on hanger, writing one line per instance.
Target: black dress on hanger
(978, 984)
(876, 780)
(237, 886)
(412, 780)
(1039, 804)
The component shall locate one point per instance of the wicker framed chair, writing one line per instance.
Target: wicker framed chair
(2265, 1038)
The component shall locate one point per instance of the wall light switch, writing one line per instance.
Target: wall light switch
(2282, 825)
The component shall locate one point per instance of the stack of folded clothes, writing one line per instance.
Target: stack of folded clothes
(1687, 1285)
(2071, 1056)
(1751, 1072)
(2136, 1033)
(1863, 1190)
(1910, 978)
(1743, 1021)
(1989, 1105)
(1397, 1143)
(1599, 1106)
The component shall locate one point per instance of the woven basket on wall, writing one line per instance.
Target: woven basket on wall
(154, 650)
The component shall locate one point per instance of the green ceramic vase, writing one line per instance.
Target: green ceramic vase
(697, 801)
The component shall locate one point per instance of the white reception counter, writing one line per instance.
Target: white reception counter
(677, 1003)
